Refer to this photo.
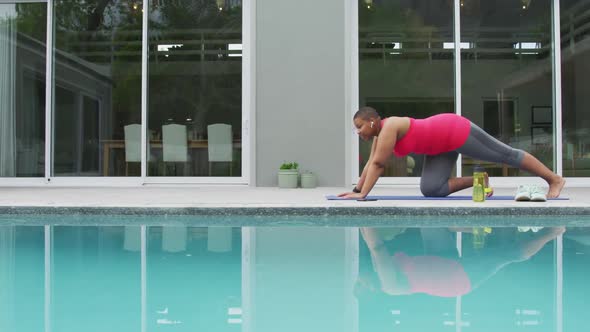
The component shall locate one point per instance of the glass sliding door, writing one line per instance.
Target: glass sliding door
(405, 66)
(23, 30)
(507, 77)
(195, 88)
(575, 73)
(97, 88)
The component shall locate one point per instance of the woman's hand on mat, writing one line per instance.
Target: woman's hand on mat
(352, 195)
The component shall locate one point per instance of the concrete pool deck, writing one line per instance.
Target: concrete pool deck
(243, 196)
(178, 198)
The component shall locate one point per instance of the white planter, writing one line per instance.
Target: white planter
(308, 180)
(288, 178)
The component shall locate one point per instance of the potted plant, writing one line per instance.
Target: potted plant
(308, 179)
(288, 175)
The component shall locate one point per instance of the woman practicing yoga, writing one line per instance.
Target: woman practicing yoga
(440, 138)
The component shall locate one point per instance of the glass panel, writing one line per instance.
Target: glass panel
(21, 278)
(195, 79)
(195, 278)
(405, 66)
(97, 87)
(575, 70)
(97, 268)
(507, 44)
(22, 89)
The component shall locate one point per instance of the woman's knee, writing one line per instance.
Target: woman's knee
(514, 158)
(431, 189)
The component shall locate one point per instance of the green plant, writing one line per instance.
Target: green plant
(291, 165)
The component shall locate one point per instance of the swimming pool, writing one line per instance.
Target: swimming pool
(180, 273)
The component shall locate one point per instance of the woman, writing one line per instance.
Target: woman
(441, 138)
(443, 275)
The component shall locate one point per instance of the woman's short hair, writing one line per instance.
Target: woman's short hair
(366, 113)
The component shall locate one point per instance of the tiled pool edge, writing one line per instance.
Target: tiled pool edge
(293, 216)
(299, 211)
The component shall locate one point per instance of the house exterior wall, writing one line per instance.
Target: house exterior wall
(300, 89)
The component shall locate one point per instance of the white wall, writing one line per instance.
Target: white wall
(300, 91)
(300, 280)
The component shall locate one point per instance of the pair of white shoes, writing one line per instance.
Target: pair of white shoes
(530, 193)
(533, 229)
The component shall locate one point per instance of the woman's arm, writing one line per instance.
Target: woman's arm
(383, 149)
(364, 174)
(391, 277)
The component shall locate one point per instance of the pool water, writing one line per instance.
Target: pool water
(187, 278)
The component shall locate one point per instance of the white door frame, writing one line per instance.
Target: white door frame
(248, 99)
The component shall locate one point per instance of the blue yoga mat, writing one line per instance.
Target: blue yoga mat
(422, 198)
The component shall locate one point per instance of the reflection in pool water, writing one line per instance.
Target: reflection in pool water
(148, 278)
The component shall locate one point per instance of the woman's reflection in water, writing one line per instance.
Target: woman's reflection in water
(440, 271)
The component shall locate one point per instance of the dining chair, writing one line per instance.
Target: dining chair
(174, 238)
(174, 145)
(220, 145)
(132, 134)
(568, 154)
(132, 238)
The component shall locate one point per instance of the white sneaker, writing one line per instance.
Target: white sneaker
(537, 194)
(522, 193)
(533, 229)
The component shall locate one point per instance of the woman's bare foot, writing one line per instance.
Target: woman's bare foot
(555, 187)
(539, 240)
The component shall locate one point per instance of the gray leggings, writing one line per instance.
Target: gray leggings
(479, 145)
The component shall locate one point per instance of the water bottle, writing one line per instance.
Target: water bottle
(479, 236)
(479, 184)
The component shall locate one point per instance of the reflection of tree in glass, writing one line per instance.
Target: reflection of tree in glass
(191, 14)
(396, 25)
(31, 20)
(106, 33)
(193, 76)
(94, 15)
(104, 22)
